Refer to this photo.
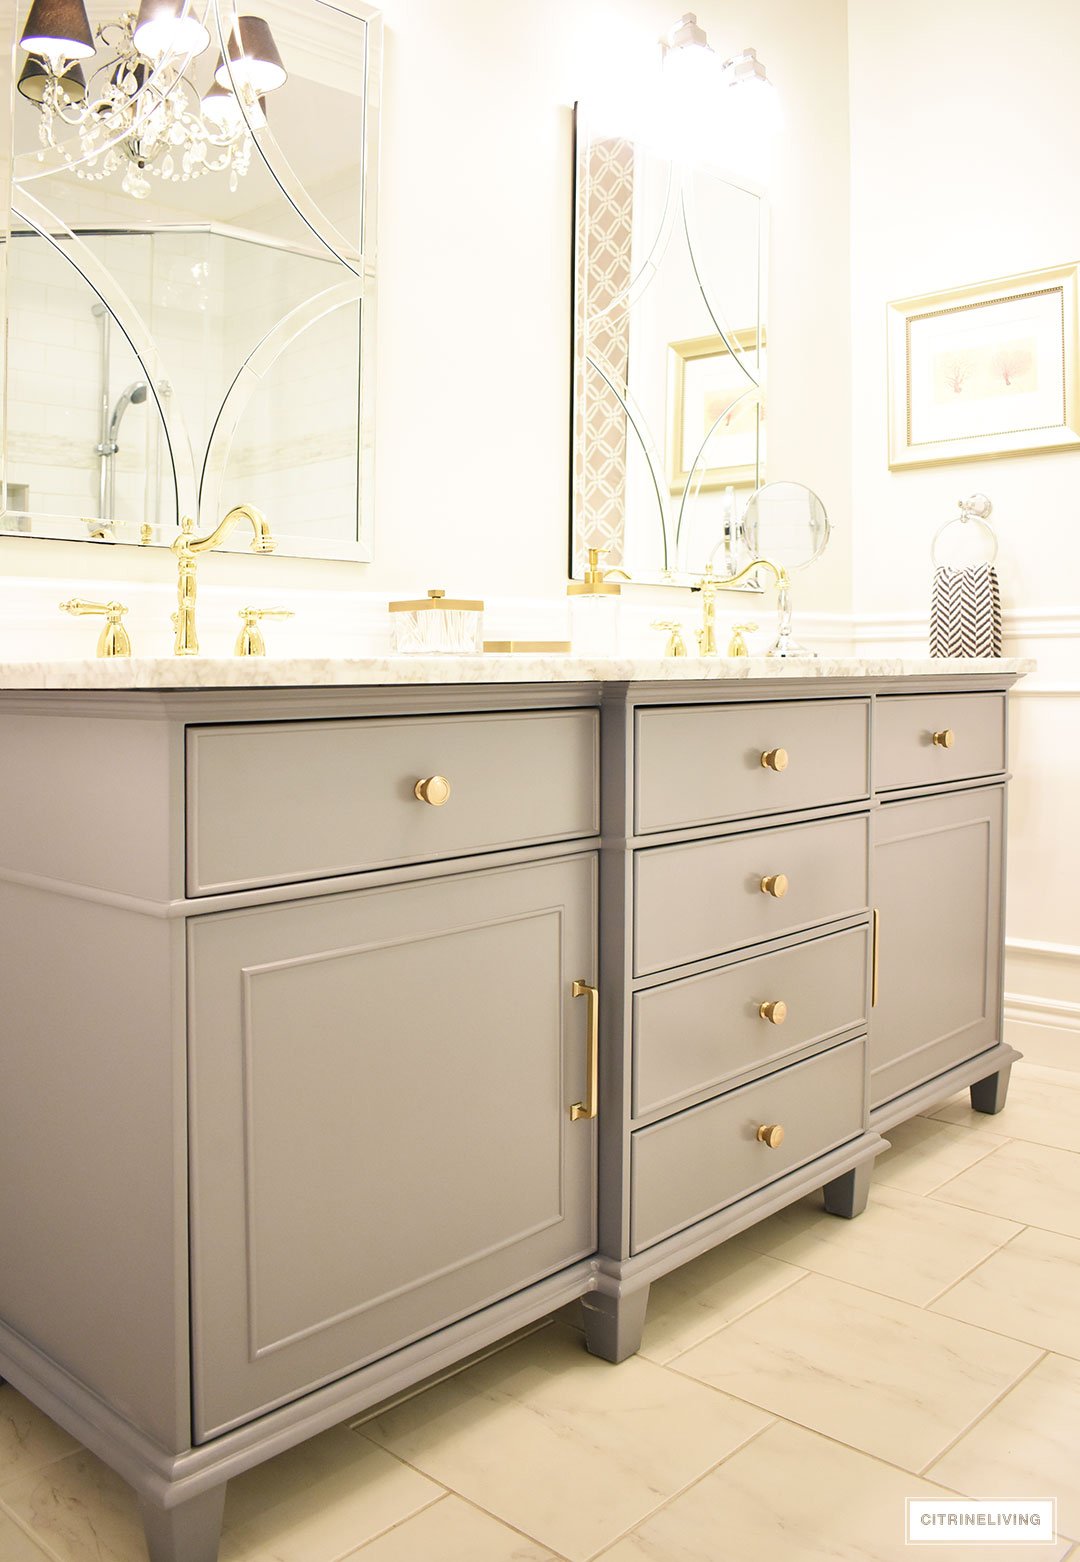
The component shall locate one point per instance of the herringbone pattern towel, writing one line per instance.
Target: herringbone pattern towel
(965, 612)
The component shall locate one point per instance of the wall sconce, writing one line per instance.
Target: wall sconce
(727, 106)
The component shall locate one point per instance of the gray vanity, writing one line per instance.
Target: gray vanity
(316, 1079)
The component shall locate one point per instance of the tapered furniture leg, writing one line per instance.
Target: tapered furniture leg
(847, 1194)
(614, 1324)
(988, 1095)
(190, 1532)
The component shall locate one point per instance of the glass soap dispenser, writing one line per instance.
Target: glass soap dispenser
(594, 609)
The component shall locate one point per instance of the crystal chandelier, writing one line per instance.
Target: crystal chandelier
(140, 110)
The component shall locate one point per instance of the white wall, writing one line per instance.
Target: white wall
(964, 147)
(474, 301)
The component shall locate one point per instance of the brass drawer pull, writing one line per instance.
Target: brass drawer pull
(434, 790)
(775, 884)
(944, 739)
(590, 1106)
(775, 759)
(775, 1012)
(771, 1134)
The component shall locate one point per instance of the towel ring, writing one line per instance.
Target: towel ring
(976, 509)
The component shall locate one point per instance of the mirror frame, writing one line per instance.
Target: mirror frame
(357, 278)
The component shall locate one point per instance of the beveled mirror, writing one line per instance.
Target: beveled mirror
(190, 275)
(669, 358)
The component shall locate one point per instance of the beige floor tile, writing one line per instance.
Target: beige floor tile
(80, 1511)
(900, 1245)
(28, 1439)
(569, 1449)
(925, 1153)
(691, 1303)
(15, 1545)
(319, 1501)
(452, 1531)
(791, 1496)
(1043, 1106)
(1030, 1290)
(879, 1374)
(1032, 1183)
(1026, 1446)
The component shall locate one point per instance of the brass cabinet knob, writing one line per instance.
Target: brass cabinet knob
(775, 759)
(771, 1134)
(775, 1012)
(944, 739)
(434, 790)
(775, 884)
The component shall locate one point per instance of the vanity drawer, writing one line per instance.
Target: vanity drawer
(697, 765)
(905, 751)
(690, 1165)
(278, 802)
(694, 1035)
(703, 898)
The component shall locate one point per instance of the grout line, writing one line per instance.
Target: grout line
(45, 1549)
(674, 1496)
(933, 1301)
(989, 1150)
(994, 1403)
(390, 1528)
(534, 1540)
(800, 1273)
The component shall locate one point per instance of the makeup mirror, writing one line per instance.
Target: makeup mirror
(787, 523)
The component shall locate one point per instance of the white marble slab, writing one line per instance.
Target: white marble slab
(198, 672)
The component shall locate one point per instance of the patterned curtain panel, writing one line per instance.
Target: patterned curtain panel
(605, 181)
(965, 611)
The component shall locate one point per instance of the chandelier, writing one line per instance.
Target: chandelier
(140, 109)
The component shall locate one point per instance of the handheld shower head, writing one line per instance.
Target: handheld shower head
(132, 395)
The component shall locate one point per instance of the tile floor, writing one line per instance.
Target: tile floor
(795, 1386)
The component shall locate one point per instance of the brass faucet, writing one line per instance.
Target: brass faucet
(711, 583)
(187, 548)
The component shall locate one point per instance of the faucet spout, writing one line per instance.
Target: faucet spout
(188, 547)
(710, 584)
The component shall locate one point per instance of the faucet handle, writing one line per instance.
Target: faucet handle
(114, 639)
(250, 641)
(737, 645)
(676, 645)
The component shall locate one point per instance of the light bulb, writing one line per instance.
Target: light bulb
(165, 28)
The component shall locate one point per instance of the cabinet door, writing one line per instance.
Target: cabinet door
(937, 889)
(381, 1139)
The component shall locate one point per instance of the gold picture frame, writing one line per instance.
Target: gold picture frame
(985, 370)
(704, 376)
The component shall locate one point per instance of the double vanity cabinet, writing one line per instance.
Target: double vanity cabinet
(349, 1027)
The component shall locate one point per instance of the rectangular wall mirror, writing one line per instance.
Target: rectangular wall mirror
(669, 359)
(190, 275)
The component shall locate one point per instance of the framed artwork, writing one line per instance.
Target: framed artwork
(716, 413)
(987, 370)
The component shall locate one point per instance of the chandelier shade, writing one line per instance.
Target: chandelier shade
(165, 27)
(254, 60)
(34, 81)
(58, 31)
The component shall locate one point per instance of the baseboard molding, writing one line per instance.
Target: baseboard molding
(1052, 1013)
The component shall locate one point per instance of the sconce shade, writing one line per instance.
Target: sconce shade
(163, 28)
(58, 30)
(254, 58)
(36, 77)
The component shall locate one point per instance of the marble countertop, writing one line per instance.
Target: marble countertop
(200, 672)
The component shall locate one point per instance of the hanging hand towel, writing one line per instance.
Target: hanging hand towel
(965, 611)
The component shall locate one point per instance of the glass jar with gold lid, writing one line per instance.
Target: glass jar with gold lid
(437, 625)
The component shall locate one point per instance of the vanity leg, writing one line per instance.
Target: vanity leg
(847, 1194)
(190, 1532)
(614, 1324)
(988, 1095)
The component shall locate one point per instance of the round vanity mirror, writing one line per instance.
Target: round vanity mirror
(788, 524)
